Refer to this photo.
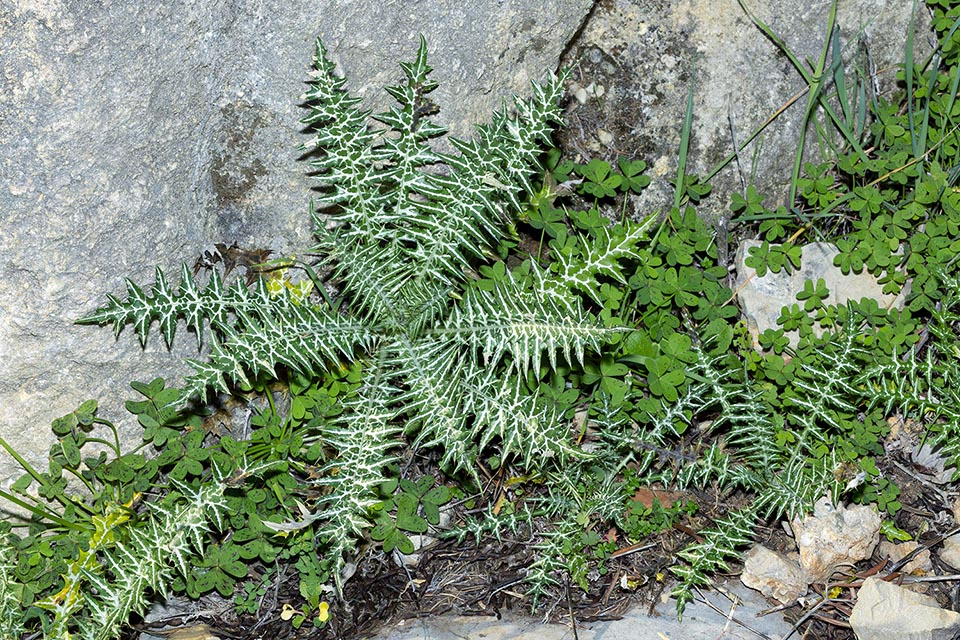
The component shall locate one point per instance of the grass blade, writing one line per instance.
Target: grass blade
(840, 78)
(815, 86)
(861, 123)
(39, 512)
(908, 77)
(931, 87)
(684, 144)
(954, 85)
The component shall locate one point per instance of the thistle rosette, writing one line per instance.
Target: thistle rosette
(403, 228)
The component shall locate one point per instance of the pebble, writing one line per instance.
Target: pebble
(774, 575)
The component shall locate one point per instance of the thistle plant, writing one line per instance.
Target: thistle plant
(447, 337)
(11, 623)
(119, 567)
(402, 230)
(143, 564)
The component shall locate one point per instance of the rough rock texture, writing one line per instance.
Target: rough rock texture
(773, 574)
(761, 299)
(647, 53)
(886, 611)
(135, 134)
(950, 552)
(835, 535)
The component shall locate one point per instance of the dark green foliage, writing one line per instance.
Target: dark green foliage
(501, 309)
(408, 507)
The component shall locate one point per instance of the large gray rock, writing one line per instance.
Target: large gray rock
(140, 133)
(646, 54)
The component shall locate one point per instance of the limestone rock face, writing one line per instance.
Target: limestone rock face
(646, 54)
(139, 134)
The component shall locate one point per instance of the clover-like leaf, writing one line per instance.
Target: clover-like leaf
(633, 178)
(813, 294)
(598, 180)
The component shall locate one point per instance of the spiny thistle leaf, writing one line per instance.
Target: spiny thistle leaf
(525, 322)
(364, 436)
(522, 424)
(718, 545)
(601, 258)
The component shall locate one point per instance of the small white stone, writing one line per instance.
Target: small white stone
(833, 537)
(605, 137)
(661, 167)
(921, 563)
(773, 575)
(950, 552)
(412, 560)
(579, 93)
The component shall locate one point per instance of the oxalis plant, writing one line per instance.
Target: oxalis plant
(442, 354)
